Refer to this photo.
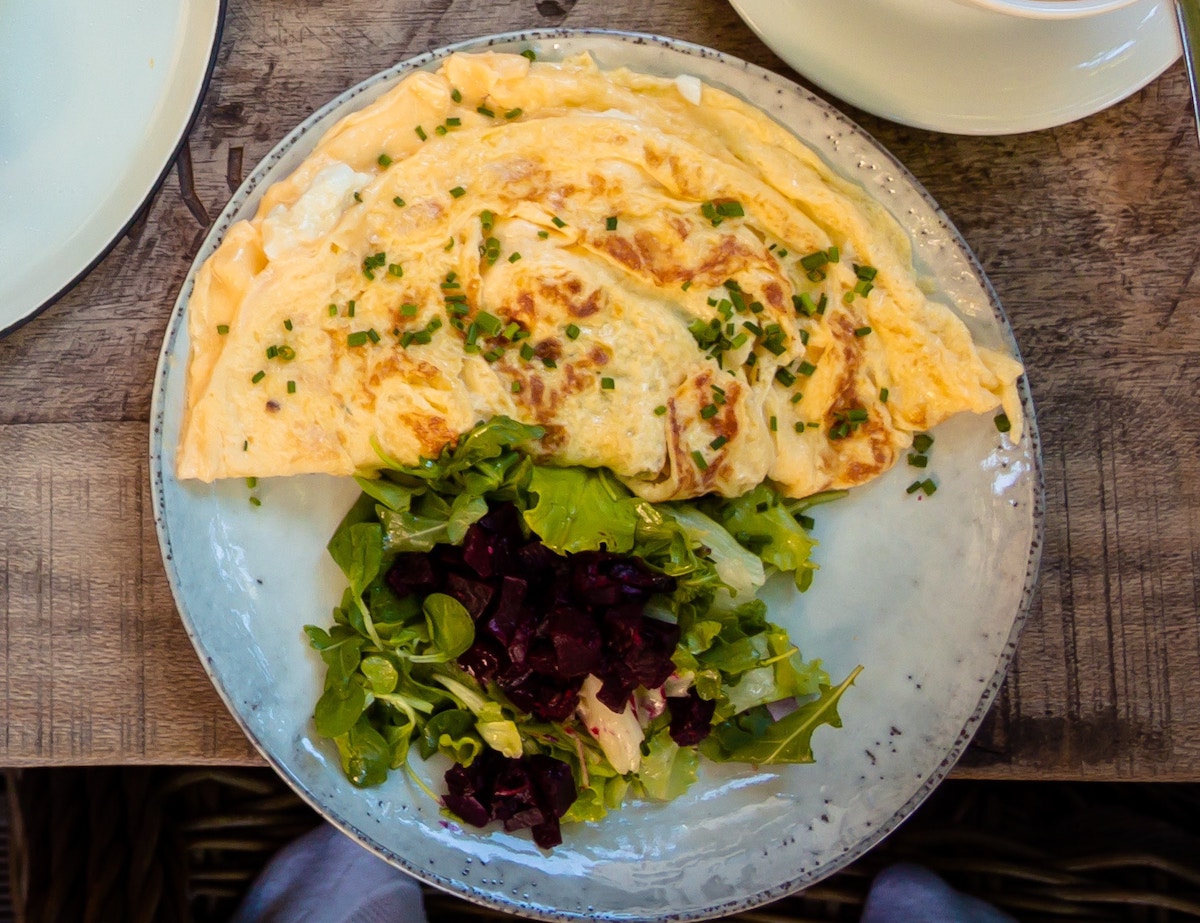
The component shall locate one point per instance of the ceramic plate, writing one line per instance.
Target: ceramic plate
(95, 99)
(927, 593)
(948, 67)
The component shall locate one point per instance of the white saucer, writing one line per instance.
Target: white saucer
(94, 101)
(939, 65)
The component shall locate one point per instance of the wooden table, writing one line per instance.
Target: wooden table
(1089, 232)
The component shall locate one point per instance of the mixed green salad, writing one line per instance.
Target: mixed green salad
(566, 644)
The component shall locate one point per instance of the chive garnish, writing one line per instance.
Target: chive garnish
(398, 202)
(408, 309)
(514, 256)
(333, 310)
(384, 160)
(558, 222)
(862, 331)
(484, 110)
(516, 387)
(698, 458)
(572, 331)
(513, 113)
(357, 338)
(1003, 424)
(458, 192)
(528, 53)
(287, 324)
(486, 219)
(883, 395)
(718, 442)
(257, 377)
(456, 95)
(286, 353)
(660, 410)
(610, 223)
(421, 133)
(918, 461)
(527, 352)
(222, 329)
(922, 442)
(708, 411)
(291, 387)
(607, 384)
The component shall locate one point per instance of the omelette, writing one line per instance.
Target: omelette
(667, 281)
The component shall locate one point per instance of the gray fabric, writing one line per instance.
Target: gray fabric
(912, 894)
(326, 877)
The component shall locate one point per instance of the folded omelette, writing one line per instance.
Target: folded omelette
(658, 274)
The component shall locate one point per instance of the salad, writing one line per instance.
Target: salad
(565, 643)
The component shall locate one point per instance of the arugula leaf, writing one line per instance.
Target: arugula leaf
(788, 740)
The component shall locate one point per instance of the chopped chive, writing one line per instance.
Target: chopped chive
(607, 384)
(291, 387)
(422, 337)
(251, 483)
(406, 338)
(408, 309)
(484, 110)
(549, 363)
(254, 501)
(333, 310)
(527, 352)
(918, 461)
(572, 331)
(257, 377)
(928, 487)
(486, 220)
(493, 354)
(542, 235)
(529, 53)
(834, 254)
(489, 323)
(449, 245)
(610, 223)
(883, 395)
(922, 442)
(865, 273)
(660, 410)
(456, 95)
(718, 442)
(514, 113)
(805, 368)
(357, 196)
(287, 324)
(385, 160)
(286, 353)
(558, 222)
(913, 487)
(350, 308)
(798, 427)
(708, 411)
(458, 192)
(453, 122)
(698, 458)
(774, 424)
(514, 256)
(797, 397)
(222, 329)
(862, 331)
(371, 263)
(372, 335)
(398, 202)
(440, 130)
(395, 269)
(245, 445)
(516, 387)
(785, 378)
(1003, 424)
(421, 133)
(814, 260)
(686, 284)
(357, 338)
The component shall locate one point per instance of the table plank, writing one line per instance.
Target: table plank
(1087, 231)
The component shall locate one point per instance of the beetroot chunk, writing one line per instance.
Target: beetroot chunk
(691, 718)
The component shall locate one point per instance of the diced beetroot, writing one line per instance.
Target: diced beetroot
(472, 592)
(525, 793)
(691, 718)
(577, 644)
(413, 572)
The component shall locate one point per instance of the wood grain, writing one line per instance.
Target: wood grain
(1089, 232)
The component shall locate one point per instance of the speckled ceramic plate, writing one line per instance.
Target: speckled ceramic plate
(927, 593)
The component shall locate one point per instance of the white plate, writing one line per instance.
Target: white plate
(947, 67)
(928, 593)
(95, 99)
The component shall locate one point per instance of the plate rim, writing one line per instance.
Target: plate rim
(152, 189)
(468, 890)
(958, 125)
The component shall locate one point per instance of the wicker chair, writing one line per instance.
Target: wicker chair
(182, 845)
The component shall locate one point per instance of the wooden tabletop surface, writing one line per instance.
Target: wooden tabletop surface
(1089, 232)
